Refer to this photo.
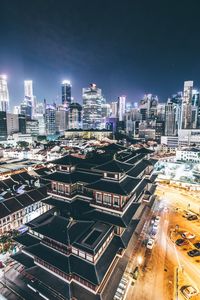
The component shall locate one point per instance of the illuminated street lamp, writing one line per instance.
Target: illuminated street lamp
(139, 260)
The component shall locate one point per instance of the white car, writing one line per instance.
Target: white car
(187, 235)
(189, 291)
(157, 220)
(150, 244)
(155, 226)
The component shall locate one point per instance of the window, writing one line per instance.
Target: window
(81, 254)
(99, 197)
(74, 250)
(110, 175)
(107, 199)
(60, 188)
(89, 257)
(66, 189)
(54, 186)
(116, 201)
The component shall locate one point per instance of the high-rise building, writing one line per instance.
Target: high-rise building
(75, 116)
(3, 126)
(50, 119)
(148, 107)
(66, 92)
(92, 107)
(186, 114)
(32, 127)
(170, 125)
(114, 109)
(22, 123)
(62, 119)
(29, 98)
(4, 95)
(12, 123)
(121, 107)
(16, 110)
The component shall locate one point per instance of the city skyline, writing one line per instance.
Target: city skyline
(139, 48)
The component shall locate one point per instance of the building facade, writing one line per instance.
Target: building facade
(92, 107)
(4, 95)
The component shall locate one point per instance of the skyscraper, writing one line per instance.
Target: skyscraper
(121, 107)
(66, 92)
(4, 95)
(170, 125)
(28, 104)
(92, 107)
(50, 119)
(186, 114)
(75, 116)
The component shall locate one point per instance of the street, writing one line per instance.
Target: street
(167, 267)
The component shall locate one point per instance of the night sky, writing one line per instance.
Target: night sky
(125, 47)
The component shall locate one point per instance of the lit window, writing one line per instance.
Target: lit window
(81, 254)
(74, 250)
(107, 199)
(99, 197)
(89, 257)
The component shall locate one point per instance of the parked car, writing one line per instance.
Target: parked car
(188, 235)
(155, 226)
(197, 245)
(192, 217)
(150, 244)
(153, 233)
(194, 252)
(186, 214)
(189, 291)
(181, 242)
(157, 220)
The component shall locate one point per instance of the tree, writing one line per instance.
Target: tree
(23, 144)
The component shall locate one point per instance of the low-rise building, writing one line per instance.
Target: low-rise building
(188, 154)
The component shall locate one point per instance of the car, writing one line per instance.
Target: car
(192, 217)
(197, 245)
(150, 244)
(181, 242)
(194, 252)
(153, 234)
(189, 291)
(187, 235)
(157, 220)
(186, 214)
(155, 226)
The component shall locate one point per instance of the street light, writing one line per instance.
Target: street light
(139, 260)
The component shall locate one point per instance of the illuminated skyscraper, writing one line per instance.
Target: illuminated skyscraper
(92, 107)
(4, 95)
(29, 98)
(66, 92)
(121, 107)
(186, 114)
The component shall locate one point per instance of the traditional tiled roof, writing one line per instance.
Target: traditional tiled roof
(49, 280)
(23, 259)
(26, 239)
(114, 166)
(138, 168)
(124, 187)
(75, 265)
(73, 177)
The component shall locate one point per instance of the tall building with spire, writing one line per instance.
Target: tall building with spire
(4, 95)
